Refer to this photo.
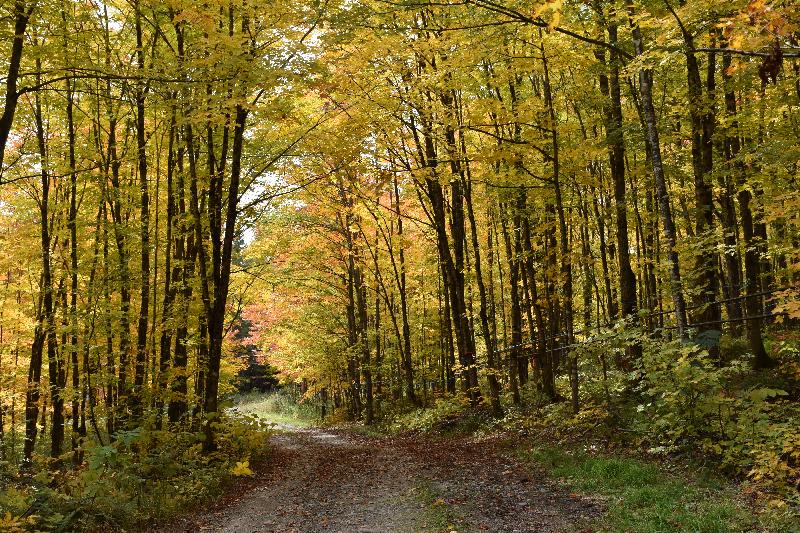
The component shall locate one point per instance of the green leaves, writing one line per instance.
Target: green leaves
(759, 395)
(694, 399)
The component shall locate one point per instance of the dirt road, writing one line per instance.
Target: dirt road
(321, 481)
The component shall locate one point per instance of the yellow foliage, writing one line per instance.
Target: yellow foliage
(242, 468)
(13, 524)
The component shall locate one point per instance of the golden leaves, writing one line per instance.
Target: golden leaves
(242, 468)
(768, 18)
(554, 9)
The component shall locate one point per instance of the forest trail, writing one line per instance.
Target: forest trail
(343, 482)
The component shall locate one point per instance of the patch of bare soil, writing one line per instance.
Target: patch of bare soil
(333, 481)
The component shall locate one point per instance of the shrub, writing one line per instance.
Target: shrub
(448, 413)
(691, 399)
(142, 476)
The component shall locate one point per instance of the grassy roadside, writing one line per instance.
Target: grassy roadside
(643, 492)
(644, 497)
(276, 408)
(640, 492)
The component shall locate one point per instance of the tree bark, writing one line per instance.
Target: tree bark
(22, 13)
(56, 371)
(646, 89)
(615, 140)
(516, 313)
(752, 264)
(405, 352)
(144, 221)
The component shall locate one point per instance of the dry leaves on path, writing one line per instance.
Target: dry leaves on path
(338, 481)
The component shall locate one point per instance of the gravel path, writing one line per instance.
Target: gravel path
(324, 481)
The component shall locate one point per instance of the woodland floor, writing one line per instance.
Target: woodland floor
(319, 480)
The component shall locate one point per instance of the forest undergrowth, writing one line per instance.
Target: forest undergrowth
(142, 478)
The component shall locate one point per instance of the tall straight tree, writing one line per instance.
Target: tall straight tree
(21, 16)
(645, 77)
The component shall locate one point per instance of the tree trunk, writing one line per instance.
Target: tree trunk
(752, 265)
(217, 323)
(56, 371)
(542, 354)
(703, 122)
(566, 257)
(610, 88)
(137, 398)
(22, 13)
(405, 352)
(363, 340)
(170, 273)
(516, 313)
(649, 113)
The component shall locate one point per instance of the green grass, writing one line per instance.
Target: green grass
(643, 497)
(275, 408)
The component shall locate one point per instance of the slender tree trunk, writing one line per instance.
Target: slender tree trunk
(566, 256)
(363, 334)
(352, 329)
(185, 258)
(346, 223)
(611, 304)
(752, 265)
(488, 339)
(646, 91)
(460, 168)
(405, 352)
(114, 198)
(730, 229)
(170, 273)
(22, 13)
(32, 394)
(703, 121)
(217, 322)
(378, 343)
(73, 265)
(516, 314)
(78, 428)
(137, 398)
(450, 355)
(56, 371)
(110, 374)
(542, 353)
(453, 277)
(519, 215)
(587, 265)
(610, 87)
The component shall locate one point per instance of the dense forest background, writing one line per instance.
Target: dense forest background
(567, 212)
